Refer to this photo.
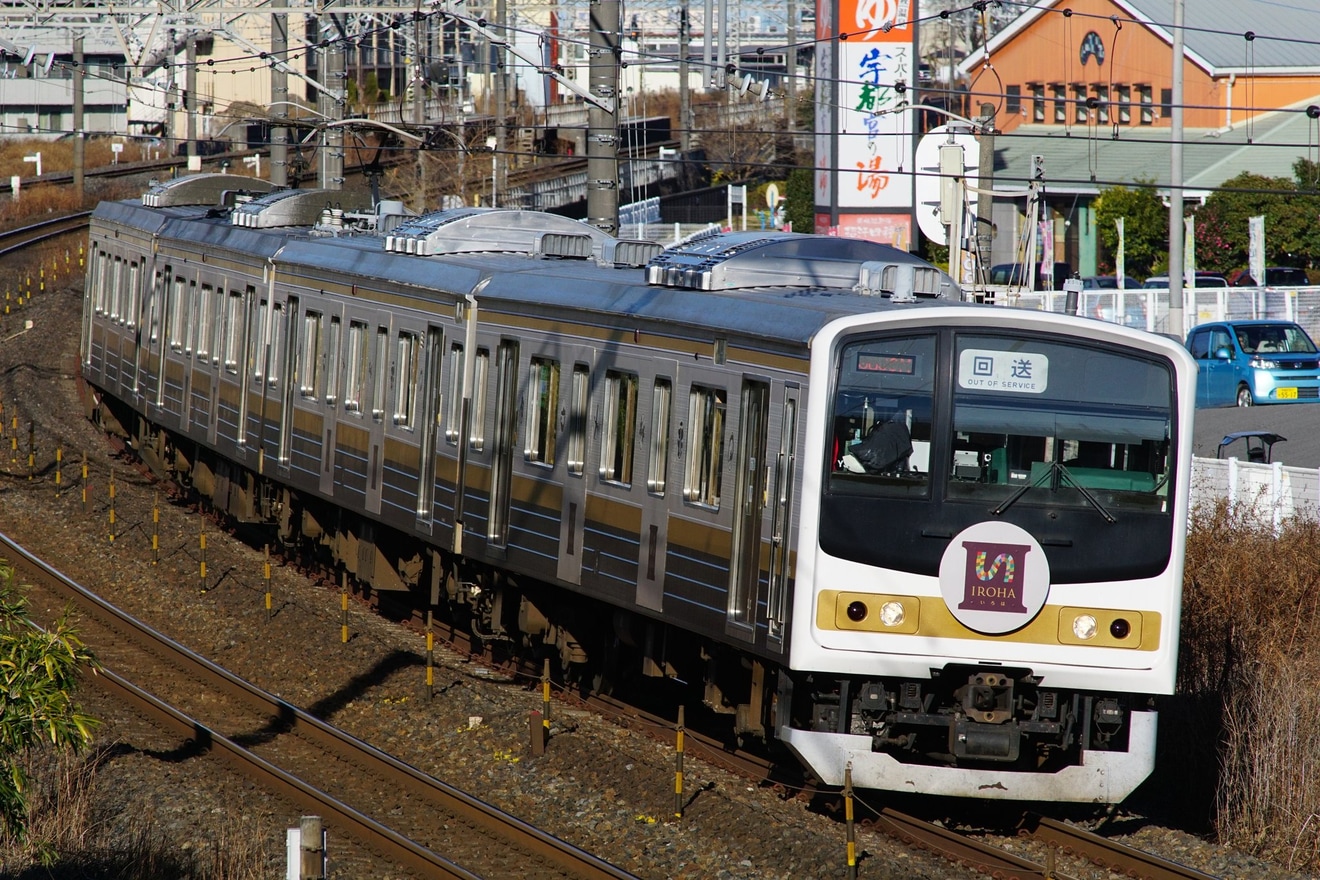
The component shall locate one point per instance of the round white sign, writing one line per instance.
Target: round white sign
(994, 577)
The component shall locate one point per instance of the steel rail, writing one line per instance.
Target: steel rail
(35, 233)
(574, 862)
(1117, 857)
(989, 860)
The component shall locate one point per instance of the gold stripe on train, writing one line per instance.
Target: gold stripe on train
(928, 616)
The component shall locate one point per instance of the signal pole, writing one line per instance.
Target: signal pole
(279, 94)
(602, 125)
(79, 145)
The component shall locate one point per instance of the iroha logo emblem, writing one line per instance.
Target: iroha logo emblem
(994, 577)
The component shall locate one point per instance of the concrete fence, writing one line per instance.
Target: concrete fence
(1271, 493)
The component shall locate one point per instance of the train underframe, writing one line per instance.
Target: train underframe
(594, 647)
(967, 716)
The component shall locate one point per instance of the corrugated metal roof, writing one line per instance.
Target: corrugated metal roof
(1086, 159)
(1286, 32)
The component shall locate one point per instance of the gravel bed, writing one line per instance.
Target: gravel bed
(601, 787)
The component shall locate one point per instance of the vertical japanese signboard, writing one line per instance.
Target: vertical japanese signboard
(869, 155)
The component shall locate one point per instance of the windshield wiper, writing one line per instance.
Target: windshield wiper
(1055, 473)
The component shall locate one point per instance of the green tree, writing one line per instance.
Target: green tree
(39, 672)
(1291, 210)
(801, 197)
(1145, 227)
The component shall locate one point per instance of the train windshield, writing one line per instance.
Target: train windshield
(1002, 420)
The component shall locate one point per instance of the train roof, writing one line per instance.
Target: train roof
(777, 287)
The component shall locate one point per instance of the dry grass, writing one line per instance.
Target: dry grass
(70, 836)
(1250, 680)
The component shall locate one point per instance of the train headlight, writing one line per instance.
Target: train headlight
(892, 613)
(1084, 626)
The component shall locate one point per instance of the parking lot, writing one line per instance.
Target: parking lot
(1300, 423)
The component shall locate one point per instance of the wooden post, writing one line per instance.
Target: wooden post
(155, 528)
(678, 767)
(536, 730)
(112, 505)
(848, 819)
(59, 461)
(84, 484)
(430, 653)
(545, 695)
(265, 576)
(343, 607)
(32, 448)
(313, 851)
(202, 568)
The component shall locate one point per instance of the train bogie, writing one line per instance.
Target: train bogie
(793, 471)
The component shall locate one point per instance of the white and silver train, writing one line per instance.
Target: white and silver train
(935, 542)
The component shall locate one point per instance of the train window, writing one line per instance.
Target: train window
(332, 361)
(454, 411)
(277, 335)
(657, 468)
(381, 363)
(355, 366)
(257, 343)
(880, 430)
(153, 318)
(193, 307)
(96, 281)
(233, 330)
(405, 385)
(205, 318)
(1038, 421)
(309, 360)
(620, 419)
(178, 320)
(705, 454)
(577, 420)
(131, 312)
(542, 411)
(217, 308)
(481, 369)
(116, 288)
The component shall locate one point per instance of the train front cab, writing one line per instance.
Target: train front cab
(995, 591)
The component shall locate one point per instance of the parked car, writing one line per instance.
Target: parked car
(1109, 282)
(1244, 363)
(1015, 275)
(1203, 279)
(1105, 305)
(1275, 276)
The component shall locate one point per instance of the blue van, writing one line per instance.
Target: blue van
(1244, 363)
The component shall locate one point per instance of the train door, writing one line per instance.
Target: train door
(573, 513)
(215, 307)
(289, 369)
(429, 425)
(506, 403)
(149, 333)
(655, 510)
(379, 370)
(781, 519)
(334, 357)
(749, 505)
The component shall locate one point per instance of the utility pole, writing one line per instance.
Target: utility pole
(499, 61)
(985, 175)
(602, 125)
(332, 108)
(190, 86)
(684, 89)
(79, 145)
(279, 94)
(1176, 180)
(790, 81)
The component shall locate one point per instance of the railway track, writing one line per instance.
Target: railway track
(435, 830)
(26, 236)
